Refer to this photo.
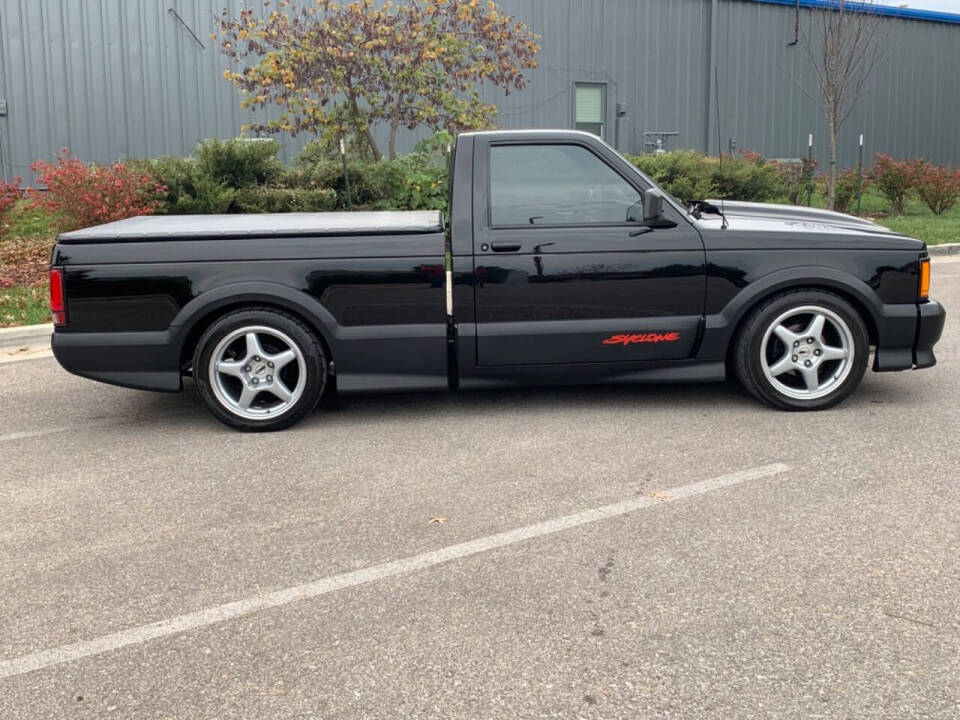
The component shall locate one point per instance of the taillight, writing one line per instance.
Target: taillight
(57, 308)
(924, 278)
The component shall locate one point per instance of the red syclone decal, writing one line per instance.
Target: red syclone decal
(642, 338)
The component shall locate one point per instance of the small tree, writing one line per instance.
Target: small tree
(844, 47)
(406, 65)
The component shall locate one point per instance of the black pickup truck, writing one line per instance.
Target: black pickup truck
(560, 263)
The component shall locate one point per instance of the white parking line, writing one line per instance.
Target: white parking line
(239, 608)
(32, 433)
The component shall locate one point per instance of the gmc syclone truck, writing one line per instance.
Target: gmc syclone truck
(560, 263)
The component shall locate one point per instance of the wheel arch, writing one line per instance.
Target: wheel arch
(856, 292)
(200, 313)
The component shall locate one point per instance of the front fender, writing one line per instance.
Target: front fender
(892, 325)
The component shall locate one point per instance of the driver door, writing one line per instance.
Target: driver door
(564, 272)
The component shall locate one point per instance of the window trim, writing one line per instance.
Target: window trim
(603, 105)
(488, 214)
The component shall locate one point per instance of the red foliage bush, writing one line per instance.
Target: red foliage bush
(895, 179)
(81, 195)
(938, 187)
(9, 194)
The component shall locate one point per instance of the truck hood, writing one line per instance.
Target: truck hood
(804, 226)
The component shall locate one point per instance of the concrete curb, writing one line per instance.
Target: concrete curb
(944, 249)
(26, 335)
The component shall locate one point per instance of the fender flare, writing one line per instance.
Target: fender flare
(719, 327)
(251, 293)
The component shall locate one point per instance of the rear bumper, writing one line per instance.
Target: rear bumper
(927, 323)
(143, 360)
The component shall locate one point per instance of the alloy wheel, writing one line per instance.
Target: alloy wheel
(257, 372)
(807, 352)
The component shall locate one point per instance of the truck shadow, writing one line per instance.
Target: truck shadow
(488, 405)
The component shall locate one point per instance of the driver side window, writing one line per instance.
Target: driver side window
(557, 185)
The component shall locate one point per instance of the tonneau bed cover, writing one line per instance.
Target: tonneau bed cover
(149, 227)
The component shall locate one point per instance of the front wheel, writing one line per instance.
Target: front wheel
(259, 369)
(802, 350)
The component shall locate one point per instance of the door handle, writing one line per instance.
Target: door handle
(505, 246)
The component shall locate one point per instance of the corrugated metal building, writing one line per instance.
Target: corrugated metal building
(136, 78)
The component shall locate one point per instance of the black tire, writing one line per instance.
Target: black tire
(280, 329)
(838, 378)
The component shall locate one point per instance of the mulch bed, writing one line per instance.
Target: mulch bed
(24, 260)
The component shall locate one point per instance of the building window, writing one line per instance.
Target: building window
(589, 106)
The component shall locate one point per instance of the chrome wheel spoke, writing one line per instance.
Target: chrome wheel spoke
(281, 360)
(253, 346)
(233, 368)
(246, 397)
(810, 378)
(782, 365)
(833, 353)
(786, 335)
(280, 390)
(815, 328)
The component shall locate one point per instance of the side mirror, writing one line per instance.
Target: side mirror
(652, 207)
(653, 216)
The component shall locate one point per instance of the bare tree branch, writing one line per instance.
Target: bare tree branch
(844, 46)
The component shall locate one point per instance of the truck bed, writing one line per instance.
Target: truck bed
(140, 290)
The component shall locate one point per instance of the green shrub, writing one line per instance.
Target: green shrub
(240, 162)
(419, 181)
(796, 180)
(690, 175)
(412, 182)
(895, 179)
(748, 176)
(685, 174)
(846, 189)
(280, 200)
(370, 182)
(190, 190)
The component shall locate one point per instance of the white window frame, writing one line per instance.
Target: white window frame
(603, 106)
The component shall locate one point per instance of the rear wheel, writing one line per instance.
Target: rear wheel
(259, 369)
(802, 350)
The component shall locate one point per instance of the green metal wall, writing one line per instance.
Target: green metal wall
(126, 78)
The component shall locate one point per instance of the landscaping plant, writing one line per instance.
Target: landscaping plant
(332, 68)
(685, 174)
(80, 195)
(690, 175)
(796, 180)
(938, 187)
(747, 176)
(846, 188)
(895, 179)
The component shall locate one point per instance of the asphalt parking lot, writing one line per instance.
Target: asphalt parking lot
(435, 555)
